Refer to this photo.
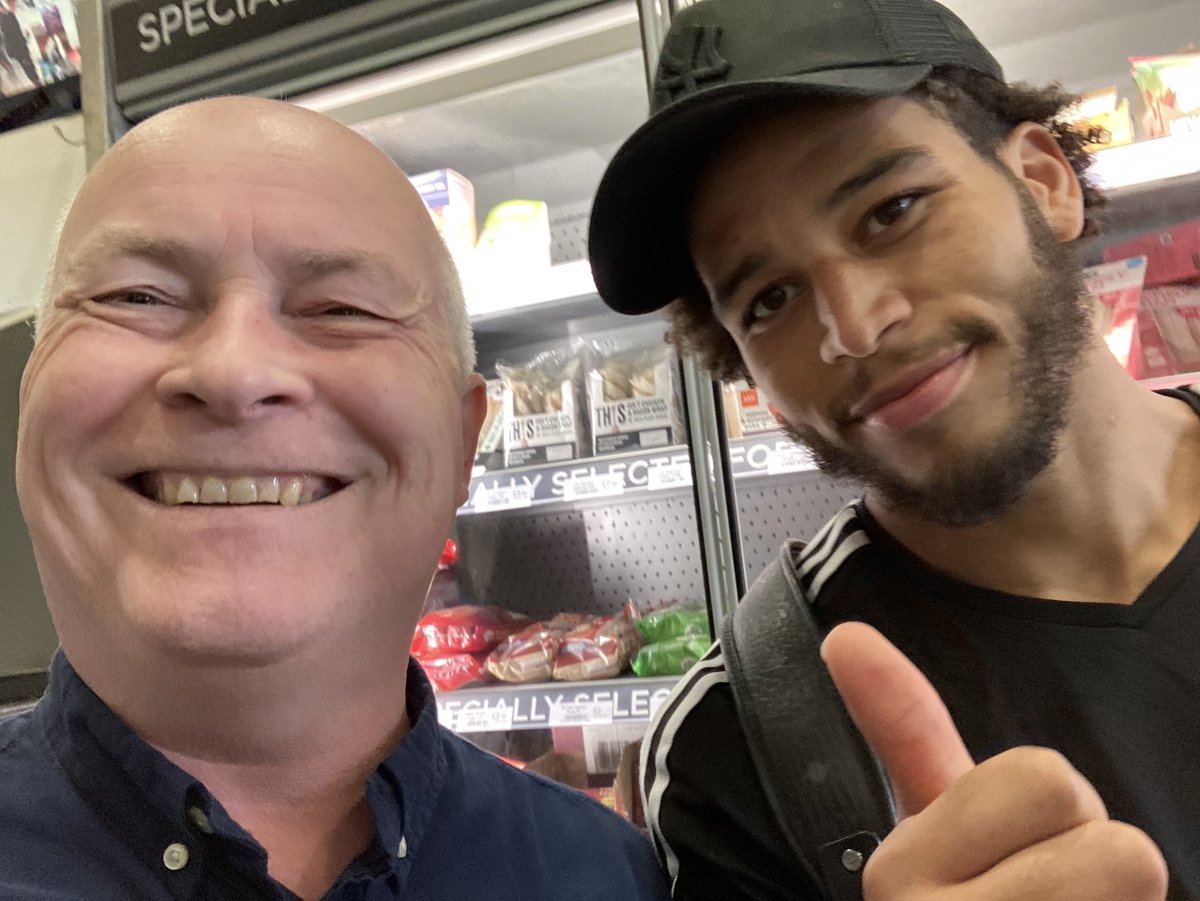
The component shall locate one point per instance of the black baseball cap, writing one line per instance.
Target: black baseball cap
(721, 59)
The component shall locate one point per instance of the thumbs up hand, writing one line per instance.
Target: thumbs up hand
(1022, 825)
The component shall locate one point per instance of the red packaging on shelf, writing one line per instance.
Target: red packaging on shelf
(466, 628)
(450, 671)
(1116, 289)
(1172, 255)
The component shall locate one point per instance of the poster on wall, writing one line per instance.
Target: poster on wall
(39, 60)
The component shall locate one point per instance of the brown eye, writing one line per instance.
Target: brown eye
(890, 212)
(770, 302)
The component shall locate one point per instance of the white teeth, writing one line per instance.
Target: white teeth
(290, 496)
(214, 491)
(290, 491)
(268, 490)
(243, 491)
(188, 493)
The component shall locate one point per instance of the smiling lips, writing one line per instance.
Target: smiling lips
(175, 488)
(917, 394)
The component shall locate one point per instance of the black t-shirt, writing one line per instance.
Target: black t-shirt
(1115, 688)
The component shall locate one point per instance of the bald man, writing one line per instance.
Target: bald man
(246, 425)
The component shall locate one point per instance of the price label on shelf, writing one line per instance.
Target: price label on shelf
(671, 475)
(502, 497)
(582, 488)
(483, 719)
(581, 713)
(789, 458)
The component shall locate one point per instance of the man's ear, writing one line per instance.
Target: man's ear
(474, 409)
(1037, 159)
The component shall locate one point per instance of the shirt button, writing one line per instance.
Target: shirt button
(402, 851)
(175, 857)
(200, 820)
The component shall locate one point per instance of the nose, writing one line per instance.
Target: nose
(857, 307)
(237, 364)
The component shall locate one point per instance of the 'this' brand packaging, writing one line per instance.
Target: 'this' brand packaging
(543, 408)
(633, 401)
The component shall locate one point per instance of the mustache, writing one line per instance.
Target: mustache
(966, 330)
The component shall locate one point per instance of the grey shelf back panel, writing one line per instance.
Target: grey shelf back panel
(568, 231)
(588, 558)
(773, 509)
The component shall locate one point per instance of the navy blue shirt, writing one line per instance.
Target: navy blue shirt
(90, 811)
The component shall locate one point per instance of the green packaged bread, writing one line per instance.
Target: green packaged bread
(672, 657)
(673, 622)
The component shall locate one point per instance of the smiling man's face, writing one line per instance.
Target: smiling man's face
(904, 302)
(243, 429)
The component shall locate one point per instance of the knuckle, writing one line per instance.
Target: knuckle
(1138, 870)
(1059, 792)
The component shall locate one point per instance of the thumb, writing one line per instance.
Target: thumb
(899, 713)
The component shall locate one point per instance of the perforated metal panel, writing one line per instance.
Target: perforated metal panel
(588, 559)
(568, 231)
(773, 509)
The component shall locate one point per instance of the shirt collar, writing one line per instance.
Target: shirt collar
(152, 804)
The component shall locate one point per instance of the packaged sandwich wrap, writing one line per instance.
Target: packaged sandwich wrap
(632, 400)
(489, 452)
(747, 410)
(544, 407)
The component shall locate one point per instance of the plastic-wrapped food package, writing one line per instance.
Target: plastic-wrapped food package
(450, 671)
(467, 628)
(633, 400)
(599, 649)
(527, 656)
(673, 621)
(1116, 290)
(672, 657)
(543, 407)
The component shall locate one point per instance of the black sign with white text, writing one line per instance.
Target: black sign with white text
(150, 36)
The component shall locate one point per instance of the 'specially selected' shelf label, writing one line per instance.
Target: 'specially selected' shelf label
(545, 706)
(584, 479)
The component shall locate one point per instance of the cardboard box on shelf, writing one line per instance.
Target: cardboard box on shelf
(450, 199)
(747, 410)
(1170, 90)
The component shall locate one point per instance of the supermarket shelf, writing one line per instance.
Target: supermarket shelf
(1144, 162)
(768, 454)
(502, 708)
(1179, 380)
(608, 478)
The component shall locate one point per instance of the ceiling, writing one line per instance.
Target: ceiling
(549, 137)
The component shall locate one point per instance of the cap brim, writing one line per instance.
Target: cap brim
(637, 239)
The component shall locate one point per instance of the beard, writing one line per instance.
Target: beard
(1056, 325)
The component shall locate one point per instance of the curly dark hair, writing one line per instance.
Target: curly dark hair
(985, 111)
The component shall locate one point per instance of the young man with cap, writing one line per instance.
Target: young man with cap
(843, 200)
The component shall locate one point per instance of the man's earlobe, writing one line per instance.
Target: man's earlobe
(1038, 160)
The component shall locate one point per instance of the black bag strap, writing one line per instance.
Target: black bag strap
(824, 785)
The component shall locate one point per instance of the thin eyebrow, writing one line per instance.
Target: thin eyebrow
(873, 171)
(166, 252)
(318, 264)
(176, 255)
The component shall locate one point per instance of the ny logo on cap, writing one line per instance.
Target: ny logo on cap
(689, 60)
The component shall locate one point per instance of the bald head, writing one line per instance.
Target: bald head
(256, 141)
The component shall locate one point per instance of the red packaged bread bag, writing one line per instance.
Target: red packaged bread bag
(465, 629)
(446, 672)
